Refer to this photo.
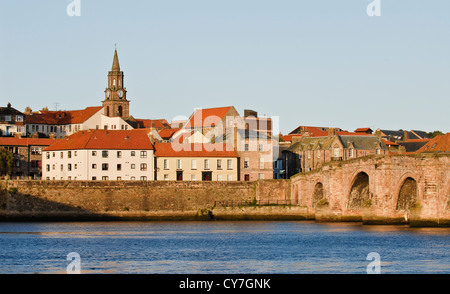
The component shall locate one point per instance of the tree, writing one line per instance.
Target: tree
(6, 161)
(434, 134)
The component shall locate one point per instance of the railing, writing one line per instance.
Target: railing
(232, 203)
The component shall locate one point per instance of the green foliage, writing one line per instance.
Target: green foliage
(6, 161)
(435, 133)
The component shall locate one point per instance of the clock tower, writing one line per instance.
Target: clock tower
(116, 103)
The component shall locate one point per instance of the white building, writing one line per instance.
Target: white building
(100, 155)
(65, 123)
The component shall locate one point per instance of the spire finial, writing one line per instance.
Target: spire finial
(115, 66)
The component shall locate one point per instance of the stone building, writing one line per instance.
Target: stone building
(27, 155)
(309, 153)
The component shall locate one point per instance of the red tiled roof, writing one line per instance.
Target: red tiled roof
(439, 143)
(155, 123)
(62, 117)
(362, 130)
(105, 139)
(194, 150)
(207, 117)
(389, 143)
(11, 141)
(166, 134)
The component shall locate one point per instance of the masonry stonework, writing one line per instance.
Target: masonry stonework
(400, 189)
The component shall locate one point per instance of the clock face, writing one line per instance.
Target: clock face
(120, 93)
(107, 94)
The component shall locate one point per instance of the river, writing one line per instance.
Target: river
(221, 247)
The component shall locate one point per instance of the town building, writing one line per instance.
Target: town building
(408, 141)
(12, 121)
(439, 144)
(27, 155)
(309, 153)
(100, 155)
(196, 162)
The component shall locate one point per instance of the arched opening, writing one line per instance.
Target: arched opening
(120, 111)
(407, 195)
(318, 194)
(359, 193)
(107, 110)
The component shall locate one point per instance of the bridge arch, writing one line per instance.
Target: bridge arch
(359, 191)
(407, 193)
(318, 193)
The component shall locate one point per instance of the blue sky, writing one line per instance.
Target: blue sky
(320, 63)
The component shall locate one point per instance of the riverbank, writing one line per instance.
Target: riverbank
(182, 201)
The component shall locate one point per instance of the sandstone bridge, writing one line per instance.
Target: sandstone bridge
(392, 189)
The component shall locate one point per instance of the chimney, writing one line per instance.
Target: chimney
(331, 132)
(18, 135)
(405, 135)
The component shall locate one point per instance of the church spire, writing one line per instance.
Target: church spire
(115, 66)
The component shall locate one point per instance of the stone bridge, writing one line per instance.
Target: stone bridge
(378, 189)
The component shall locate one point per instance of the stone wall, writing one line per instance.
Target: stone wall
(122, 199)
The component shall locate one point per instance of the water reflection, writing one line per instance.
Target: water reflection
(221, 247)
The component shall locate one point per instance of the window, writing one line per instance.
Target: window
(143, 166)
(119, 178)
(69, 167)
(261, 176)
(105, 178)
(69, 154)
(19, 118)
(94, 178)
(69, 178)
(94, 153)
(133, 153)
(75, 166)
(378, 151)
(178, 163)
(133, 166)
(37, 151)
(246, 162)
(7, 117)
(119, 167)
(246, 147)
(229, 164)
(166, 177)
(318, 153)
(143, 178)
(74, 153)
(229, 177)
(54, 166)
(166, 164)
(219, 177)
(104, 166)
(62, 155)
(206, 164)
(47, 155)
(350, 152)
(219, 163)
(261, 163)
(194, 164)
(54, 154)
(260, 147)
(48, 167)
(94, 166)
(105, 154)
(61, 167)
(119, 154)
(336, 151)
(133, 178)
(193, 178)
(143, 154)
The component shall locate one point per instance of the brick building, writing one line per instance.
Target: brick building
(27, 155)
(12, 121)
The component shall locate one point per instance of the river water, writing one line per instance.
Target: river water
(221, 247)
